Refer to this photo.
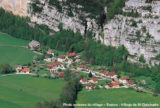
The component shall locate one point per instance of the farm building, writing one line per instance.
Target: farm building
(34, 45)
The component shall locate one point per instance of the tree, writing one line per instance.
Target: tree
(142, 59)
(90, 75)
(67, 75)
(5, 69)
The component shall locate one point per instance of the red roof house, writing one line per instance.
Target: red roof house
(26, 70)
(114, 84)
(56, 64)
(84, 81)
(71, 54)
(111, 75)
(82, 67)
(94, 80)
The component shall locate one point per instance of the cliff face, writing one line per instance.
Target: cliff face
(17, 7)
(140, 34)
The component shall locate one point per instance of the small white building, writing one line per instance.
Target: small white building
(50, 51)
(61, 59)
(34, 45)
(48, 59)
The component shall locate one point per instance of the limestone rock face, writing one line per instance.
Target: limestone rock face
(17, 7)
(142, 38)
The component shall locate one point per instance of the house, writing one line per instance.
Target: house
(82, 67)
(103, 73)
(71, 55)
(54, 65)
(111, 75)
(114, 84)
(61, 74)
(124, 79)
(18, 68)
(83, 81)
(131, 83)
(50, 51)
(25, 70)
(52, 70)
(90, 86)
(61, 59)
(48, 59)
(94, 80)
(34, 45)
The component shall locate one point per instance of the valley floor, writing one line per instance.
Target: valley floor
(117, 97)
(21, 91)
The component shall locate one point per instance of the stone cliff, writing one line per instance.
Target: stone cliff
(140, 34)
(17, 7)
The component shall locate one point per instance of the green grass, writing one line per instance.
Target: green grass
(11, 51)
(20, 91)
(115, 96)
(8, 40)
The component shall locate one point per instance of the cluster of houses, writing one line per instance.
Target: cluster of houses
(64, 61)
(115, 82)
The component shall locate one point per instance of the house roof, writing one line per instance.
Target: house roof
(26, 70)
(125, 78)
(131, 82)
(34, 43)
(110, 74)
(61, 57)
(114, 84)
(54, 64)
(94, 79)
(83, 66)
(103, 72)
(18, 66)
(84, 80)
(71, 54)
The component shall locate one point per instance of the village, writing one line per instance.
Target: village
(91, 78)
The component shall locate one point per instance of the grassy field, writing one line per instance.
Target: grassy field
(115, 96)
(23, 91)
(12, 51)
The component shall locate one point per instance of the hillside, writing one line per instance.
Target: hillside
(14, 51)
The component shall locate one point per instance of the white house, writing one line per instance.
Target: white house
(124, 80)
(50, 51)
(61, 59)
(18, 68)
(34, 45)
(111, 75)
(48, 59)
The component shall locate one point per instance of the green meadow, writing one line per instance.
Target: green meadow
(116, 96)
(23, 91)
(14, 51)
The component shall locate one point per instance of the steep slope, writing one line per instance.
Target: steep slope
(137, 28)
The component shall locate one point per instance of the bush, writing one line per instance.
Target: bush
(5, 69)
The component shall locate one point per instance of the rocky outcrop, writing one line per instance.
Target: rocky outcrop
(140, 34)
(140, 38)
(17, 7)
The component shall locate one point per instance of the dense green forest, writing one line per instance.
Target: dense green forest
(66, 40)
